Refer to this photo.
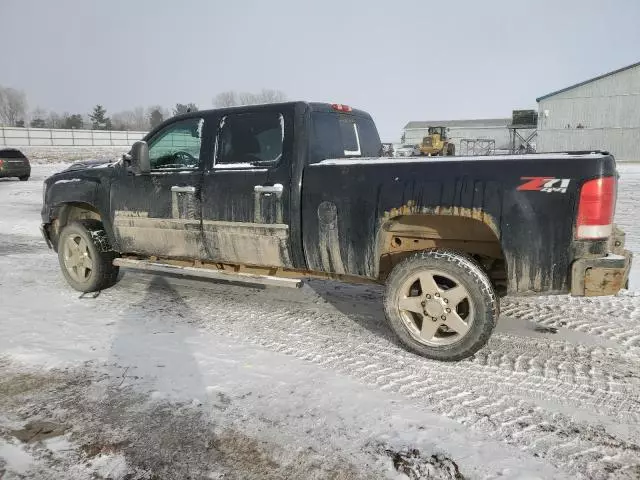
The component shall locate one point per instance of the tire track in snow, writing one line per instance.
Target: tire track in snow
(613, 318)
(518, 389)
(505, 391)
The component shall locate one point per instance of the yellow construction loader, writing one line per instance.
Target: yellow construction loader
(436, 143)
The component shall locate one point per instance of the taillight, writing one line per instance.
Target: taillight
(1, 162)
(596, 209)
(341, 108)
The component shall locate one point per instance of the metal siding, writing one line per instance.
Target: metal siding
(623, 143)
(606, 108)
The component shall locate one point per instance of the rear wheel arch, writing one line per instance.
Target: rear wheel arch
(468, 231)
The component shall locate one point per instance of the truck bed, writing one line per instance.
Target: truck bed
(345, 201)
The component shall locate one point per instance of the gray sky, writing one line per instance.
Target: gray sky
(400, 60)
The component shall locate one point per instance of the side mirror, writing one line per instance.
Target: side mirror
(139, 158)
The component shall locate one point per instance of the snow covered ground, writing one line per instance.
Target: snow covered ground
(166, 378)
(51, 155)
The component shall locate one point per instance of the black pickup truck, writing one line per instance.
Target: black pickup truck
(275, 193)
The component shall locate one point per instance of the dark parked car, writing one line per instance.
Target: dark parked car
(13, 163)
(271, 193)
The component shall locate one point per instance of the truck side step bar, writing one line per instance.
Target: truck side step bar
(223, 275)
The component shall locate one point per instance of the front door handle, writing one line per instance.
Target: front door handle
(179, 189)
(276, 188)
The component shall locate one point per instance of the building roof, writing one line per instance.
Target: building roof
(587, 81)
(479, 122)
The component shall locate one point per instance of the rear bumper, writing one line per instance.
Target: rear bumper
(11, 171)
(591, 277)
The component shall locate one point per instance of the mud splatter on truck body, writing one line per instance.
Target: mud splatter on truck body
(308, 212)
(535, 228)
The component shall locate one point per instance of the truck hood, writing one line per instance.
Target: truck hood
(89, 164)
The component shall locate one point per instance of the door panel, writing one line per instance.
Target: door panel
(245, 196)
(149, 218)
(159, 213)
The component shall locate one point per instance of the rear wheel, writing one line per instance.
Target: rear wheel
(441, 305)
(24, 178)
(451, 149)
(85, 258)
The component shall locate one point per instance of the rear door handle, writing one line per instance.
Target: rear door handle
(276, 188)
(179, 189)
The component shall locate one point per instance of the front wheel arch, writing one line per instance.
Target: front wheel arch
(65, 213)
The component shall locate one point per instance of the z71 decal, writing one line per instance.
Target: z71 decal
(544, 184)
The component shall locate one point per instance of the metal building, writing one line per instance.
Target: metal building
(602, 113)
(487, 128)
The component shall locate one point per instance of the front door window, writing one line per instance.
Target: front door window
(178, 146)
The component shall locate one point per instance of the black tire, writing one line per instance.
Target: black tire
(101, 273)
(24, 178)
(451, 150)
(481, 302)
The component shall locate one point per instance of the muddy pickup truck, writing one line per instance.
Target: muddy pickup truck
(272, 194)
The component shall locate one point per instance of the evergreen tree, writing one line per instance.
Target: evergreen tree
(38, 123)
(156, 118)
(99, 119)
(73, 121)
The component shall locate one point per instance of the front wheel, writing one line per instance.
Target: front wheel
(441, 305)
(24, 178)
(84, 256)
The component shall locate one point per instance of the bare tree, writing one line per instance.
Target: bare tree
(226, 99)
(181, 108)
(268, 95)
(55, 120)
(231, 98)
(130, 120)
(121, 120)
(140, 121)
(13, 106)
(247, 98)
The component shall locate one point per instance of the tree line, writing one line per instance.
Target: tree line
(14, 112)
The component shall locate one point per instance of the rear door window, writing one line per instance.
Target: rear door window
(11, 153)
(250, 139)
(343, 136)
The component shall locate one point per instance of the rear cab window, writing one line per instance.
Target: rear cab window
(11, 153)
(343, 135)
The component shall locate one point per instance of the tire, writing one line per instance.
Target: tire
(436, 324)
(24, 178)
(451, 150)
(93, 257)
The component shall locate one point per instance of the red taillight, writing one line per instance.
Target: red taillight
(341, 108)
(1, 162)
(596, 208)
